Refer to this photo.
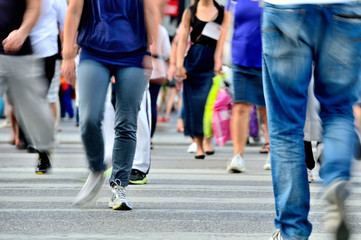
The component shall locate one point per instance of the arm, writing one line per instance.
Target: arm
(182, 44)
(16, 38)
(71, 25)
(172, 61)
(220, 43)
(152, 20)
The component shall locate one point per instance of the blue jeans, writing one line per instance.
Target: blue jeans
(93, 82)
(295, 37)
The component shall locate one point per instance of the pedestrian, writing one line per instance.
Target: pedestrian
(298, 34)
(205, 18)
(21, 72)
(247, 75)
(106, 52)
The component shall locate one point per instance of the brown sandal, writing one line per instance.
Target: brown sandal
(266, 148)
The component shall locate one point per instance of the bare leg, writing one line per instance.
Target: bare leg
(264, 124)
(239, 126)
(199, 142)
(170, 100)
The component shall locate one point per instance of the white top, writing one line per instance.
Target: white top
(284, 2)
(44, 36)
(163, 50)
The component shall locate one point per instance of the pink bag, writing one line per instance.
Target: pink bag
(221, 118)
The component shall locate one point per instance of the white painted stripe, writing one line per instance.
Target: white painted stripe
(314, 188)
(157, 236)
(223, 200)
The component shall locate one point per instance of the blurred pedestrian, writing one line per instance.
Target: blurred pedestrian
(298, 34)
(247, 75)
(21, 72)
(205, 18)
(106, 52)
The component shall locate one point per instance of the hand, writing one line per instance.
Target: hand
(171, 71)
(14, 41)
(147, 63)
(181, 72)
(217, 66)
(68, 70)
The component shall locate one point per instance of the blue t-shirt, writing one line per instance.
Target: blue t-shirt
(113, 32)
(246, 41)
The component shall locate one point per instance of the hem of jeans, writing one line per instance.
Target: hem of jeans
(335, 180)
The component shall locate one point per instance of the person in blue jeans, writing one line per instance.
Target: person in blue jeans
(106, 52)
(298, 34)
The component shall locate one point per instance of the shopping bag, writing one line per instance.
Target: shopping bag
(208, 110)
(253, 122)
(221, 118)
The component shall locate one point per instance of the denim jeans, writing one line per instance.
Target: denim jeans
(93, 82)
(294, 38)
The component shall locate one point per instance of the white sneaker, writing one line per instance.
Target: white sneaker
(88, 194)
(192, 148)
(267, 165)
(276, 235)
(310, 176)
(335, 219)
(119, 200)
(236, 165)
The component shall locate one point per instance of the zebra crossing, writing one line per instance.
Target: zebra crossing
(184, 199)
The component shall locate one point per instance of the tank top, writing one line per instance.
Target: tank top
(198, 26)
(113, 32)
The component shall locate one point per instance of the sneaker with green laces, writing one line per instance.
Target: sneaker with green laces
(137, 177)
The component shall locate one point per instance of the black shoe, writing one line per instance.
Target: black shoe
(137, 177)
(202, 156)
(209, 152)
(44, 163)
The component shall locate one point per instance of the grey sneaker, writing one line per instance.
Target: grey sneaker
(88, 194)
(335, 222)
(276, 235)
(119, 200)
(267, 165)
(236, 164)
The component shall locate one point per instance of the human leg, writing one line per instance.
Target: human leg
(141, 163)
(337, 87)
(154, 92)
(93, 81)
(287, 61)
(130, 84)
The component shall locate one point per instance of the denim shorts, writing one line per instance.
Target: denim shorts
(248, 87)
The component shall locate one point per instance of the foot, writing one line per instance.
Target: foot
(236, 164)
(335, 221)
(137, 177)
(44, 163)
(88, 194)
(265, 149)
(209, 152)
(276, 235)
(311, 178)
(200, 156)
(119, 200)
(267, 165)
(192, 148)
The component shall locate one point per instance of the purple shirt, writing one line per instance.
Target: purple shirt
(246, 41)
